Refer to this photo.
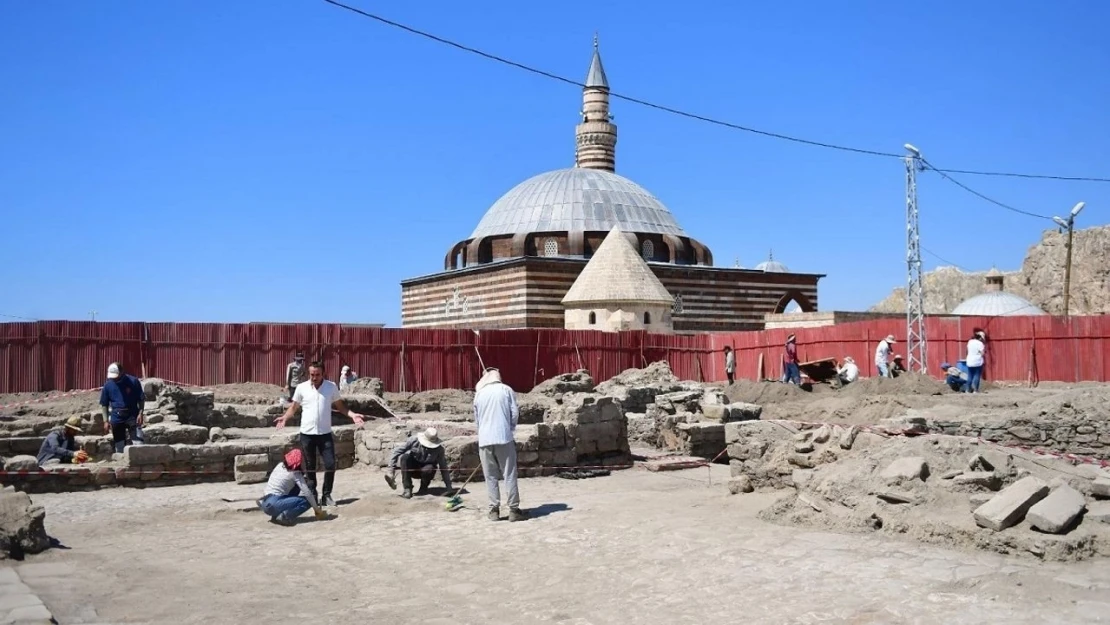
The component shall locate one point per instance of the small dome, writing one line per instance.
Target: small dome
(577, 200)
(997, 304)
(994, 272)
(772, 266)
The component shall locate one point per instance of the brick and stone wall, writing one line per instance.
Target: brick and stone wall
(1083, 437)
(527, 293)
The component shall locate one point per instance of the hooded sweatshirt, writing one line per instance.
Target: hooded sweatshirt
(495, 410)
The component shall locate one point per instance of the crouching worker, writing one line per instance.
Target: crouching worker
(61, 445)
(421, 454)
(848, 372)
(287, 494)
(954, 378)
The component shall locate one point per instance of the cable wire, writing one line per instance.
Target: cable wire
(963, 186)
(689, 115)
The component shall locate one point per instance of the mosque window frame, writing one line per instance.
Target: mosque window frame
(592, 319)
(647, 249)
(676, 307)
(647, 318)
(550, 247)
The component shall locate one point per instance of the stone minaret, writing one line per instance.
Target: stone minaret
(596, 136)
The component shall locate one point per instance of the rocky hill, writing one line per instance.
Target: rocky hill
(1041, 279)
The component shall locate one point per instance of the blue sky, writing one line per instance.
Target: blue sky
(205, 160)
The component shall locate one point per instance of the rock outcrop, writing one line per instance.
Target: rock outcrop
(1041, 279)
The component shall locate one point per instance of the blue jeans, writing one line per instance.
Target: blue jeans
(974, 376)
(287, 507)
(793, 374)
(884, 370)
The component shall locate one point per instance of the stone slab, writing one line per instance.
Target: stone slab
(1098, 512)
(24, 600)
(138, 455)
(8, 576)
(979, 499)
(1101, 487)
(984, 480)
(30, 614)
(909, 468)
(1056, 513)
(674, 463)
(1009, 506)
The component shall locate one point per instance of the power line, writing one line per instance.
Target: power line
(689, 115)
(17, 317)
(980, 195)
(943, 259)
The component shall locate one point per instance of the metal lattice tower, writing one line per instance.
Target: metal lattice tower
(915, 291)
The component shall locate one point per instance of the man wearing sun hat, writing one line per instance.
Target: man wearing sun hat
(882, 355)
(421, 454)
(61, 445)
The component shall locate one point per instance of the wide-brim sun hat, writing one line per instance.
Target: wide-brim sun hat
(890, 338)
(429, 438)
(73, 423)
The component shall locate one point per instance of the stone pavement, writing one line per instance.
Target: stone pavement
(38, 593)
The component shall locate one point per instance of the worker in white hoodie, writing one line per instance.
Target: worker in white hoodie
(496, 414)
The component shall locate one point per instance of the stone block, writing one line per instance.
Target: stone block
(31, 614)
(253, 477)
(252, 462)
(801, 477)
(742, 430)
(1009, 507)
(803, 447)
(1098, 512)
(1101, 487)
(140, 455)
(173, 433)
(743, 411)
(822, 434)
(1056, 513)
(528, 457)
(978, 499)
(740, 484)
(978, 480)
(152, 472)
(22, 463)
(715, 412)
(848, 437)
(905, 469)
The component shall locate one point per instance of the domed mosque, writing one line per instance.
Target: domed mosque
(996, 302)
(526, 251)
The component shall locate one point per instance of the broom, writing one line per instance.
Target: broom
(456, 502)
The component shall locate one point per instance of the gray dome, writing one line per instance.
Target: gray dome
(772, 266)
(577, 199)
(997, 304)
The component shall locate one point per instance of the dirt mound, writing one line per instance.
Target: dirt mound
(871, 489)
(577, 382)
(654, 374)
(369, 386)
(764, 392)
(905, 384)
(1081, 403)
(447, 400)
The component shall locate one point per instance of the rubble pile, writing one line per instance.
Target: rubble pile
(937, 489)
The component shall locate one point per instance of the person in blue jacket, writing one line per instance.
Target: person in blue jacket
(122, 402)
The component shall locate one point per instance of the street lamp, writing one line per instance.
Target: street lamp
(1070, 225)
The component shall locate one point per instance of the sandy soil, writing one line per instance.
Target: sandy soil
(635, 547)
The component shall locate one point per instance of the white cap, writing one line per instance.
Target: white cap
(113, 371)
(345, 369)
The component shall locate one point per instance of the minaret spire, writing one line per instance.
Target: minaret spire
(596, 136)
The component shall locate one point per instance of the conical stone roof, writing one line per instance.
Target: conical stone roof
(616, 273)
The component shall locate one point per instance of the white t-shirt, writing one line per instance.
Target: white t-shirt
(975, 349)
(882, 353)
(316, 405)
(850, 372)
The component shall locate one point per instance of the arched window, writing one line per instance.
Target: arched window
(647, 318)
(593, 318)
(648, 250)
(551, 247)
(676, 308)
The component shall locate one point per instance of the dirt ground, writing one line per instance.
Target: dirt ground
(634, 547)
(871, 400)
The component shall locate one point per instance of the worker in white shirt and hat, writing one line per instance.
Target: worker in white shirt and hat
(882, 356)
(346, 376)
(848, 371)
(421, 454)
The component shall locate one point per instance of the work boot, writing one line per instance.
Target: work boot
(494, 514)
(329, 500)
(283, 520)
(407, 493)
(516, 514)
(391, 480)
(423, 491)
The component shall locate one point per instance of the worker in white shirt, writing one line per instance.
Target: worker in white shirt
(882, 356)
(316, 399)
(730, 364)
(976, 349)
(287, 496)
(848, 371)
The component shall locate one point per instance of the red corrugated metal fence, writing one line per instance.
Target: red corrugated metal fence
(66, 355)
